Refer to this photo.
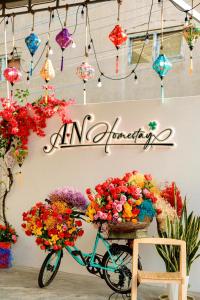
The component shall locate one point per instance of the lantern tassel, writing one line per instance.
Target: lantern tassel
(84, 93)
(162, 91)
(117, 64)
(191, 63)
(62, 63)
(31, 68)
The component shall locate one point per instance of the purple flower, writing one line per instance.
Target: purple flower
(73, 198)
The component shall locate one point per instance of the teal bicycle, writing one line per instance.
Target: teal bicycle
(115, 266)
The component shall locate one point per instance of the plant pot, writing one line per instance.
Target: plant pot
(165, 297)
(5, 255)
(173, 292)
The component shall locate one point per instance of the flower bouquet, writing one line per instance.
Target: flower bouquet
(125, 204)
(53, 223)
(8, 236)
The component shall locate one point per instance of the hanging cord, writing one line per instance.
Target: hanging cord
(13, 36)
(33, 25)
(49, 33)
(118, 12)
(191, 46)
(133, 71)
(66, 14)
(6, 53)
(162, 27)
(162, 49)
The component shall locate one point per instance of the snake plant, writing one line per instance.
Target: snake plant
(186, 228)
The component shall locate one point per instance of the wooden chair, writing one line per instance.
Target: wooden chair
(159, 277)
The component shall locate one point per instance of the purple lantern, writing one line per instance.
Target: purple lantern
(64, 39)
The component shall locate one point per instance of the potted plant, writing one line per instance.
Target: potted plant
(184, 227)
(8, 237)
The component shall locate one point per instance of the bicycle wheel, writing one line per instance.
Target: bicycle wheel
(119, 280)
(49, 268)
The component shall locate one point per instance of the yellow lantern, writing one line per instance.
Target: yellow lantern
(47, 72)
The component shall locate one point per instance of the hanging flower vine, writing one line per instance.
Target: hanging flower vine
(17, 122)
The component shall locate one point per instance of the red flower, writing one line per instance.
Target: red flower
(172, 195)
(69, 211)
(42, 247)
(61, 235)
(78, 223)
(23, 225)
(81, 232)
(148, 177)
(28, 232)
(88, 191)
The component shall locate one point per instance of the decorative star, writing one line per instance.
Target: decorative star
(152, 125)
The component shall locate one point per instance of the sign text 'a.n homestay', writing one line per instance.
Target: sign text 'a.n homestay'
(107, 135)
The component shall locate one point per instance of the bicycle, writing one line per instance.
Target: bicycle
(115, 266)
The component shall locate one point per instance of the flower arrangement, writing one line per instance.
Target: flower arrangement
(8, 234)
(71, 197)
(52, 224)
(127, 199)
(17, 121)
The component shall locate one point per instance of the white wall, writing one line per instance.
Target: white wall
(85, 167)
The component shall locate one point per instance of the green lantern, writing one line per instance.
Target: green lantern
(191, 34)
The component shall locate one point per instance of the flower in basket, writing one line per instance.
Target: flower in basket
(52, 224)
(8, 236)
(71, 197)
(127, 199)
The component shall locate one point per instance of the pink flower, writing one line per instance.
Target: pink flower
(146, 193)
(14, 238)
(123, 199)
(119, 207)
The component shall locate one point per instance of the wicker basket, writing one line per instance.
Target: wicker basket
(128, 230)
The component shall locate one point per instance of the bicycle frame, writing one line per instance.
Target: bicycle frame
(91, 255)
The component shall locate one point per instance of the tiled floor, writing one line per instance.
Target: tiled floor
(21, 284)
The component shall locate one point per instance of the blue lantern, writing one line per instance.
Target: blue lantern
(162, 65)
(32, 42)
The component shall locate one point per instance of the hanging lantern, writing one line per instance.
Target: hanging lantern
(64, 40)
(47, 72)
(191, 34)
(162, 65)
(12, 75)
(32, 42)
(118, 36)
(85, 71)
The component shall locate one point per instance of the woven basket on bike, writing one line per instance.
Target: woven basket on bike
(128, 230)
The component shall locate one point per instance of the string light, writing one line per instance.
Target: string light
(82, 13)
(136, 79)
(146, 39)
(73, 45)
(99, 84)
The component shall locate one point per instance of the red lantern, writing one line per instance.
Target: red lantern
(118, 36)
(12, 75)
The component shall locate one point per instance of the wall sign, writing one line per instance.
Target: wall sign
(107, 135)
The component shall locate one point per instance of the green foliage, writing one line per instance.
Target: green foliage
(186, 228)
(3, 145)
(22, 95)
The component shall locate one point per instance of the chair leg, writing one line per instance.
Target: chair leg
(134, 287)
(182, 292)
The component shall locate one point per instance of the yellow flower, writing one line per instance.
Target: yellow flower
(139, 180)
(155, 190)
(139, 201)
(72, 230)
(127, 210)
(91, 212)
(54, 238)
(134, 221)
(59, 206)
